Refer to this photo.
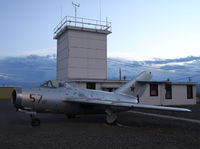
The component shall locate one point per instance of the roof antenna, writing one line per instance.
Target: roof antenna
(100, 10)
(75, 7)
(61, 12)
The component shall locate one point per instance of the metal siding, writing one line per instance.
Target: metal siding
(62, 57)
(87, 55)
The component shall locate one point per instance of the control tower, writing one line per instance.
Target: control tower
(81, 49)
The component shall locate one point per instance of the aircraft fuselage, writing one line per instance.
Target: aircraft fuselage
(51, 100)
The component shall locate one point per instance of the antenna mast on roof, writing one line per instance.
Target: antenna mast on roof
(100, 10)
(75, 7)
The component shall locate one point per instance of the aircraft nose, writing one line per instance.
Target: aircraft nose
(16, 98)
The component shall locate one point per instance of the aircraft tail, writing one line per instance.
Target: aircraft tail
(135, 87)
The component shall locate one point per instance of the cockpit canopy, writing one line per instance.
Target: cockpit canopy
(55, 84)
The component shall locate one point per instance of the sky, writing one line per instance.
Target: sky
(141, 29)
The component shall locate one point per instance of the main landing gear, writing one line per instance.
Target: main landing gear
(70, 116)
(34, 121)
(111, 117)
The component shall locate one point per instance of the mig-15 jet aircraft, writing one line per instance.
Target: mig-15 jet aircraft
(60, 97)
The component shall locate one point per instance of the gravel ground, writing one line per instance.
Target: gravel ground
(137, 131)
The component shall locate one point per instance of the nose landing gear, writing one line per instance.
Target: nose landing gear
(34, 121)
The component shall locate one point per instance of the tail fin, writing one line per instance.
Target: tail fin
(135, 87)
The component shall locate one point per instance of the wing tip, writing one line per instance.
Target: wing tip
(188, 110)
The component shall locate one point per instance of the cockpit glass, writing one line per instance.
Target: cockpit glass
(55, 84)
(47, 84)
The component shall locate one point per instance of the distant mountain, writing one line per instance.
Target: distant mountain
(33, 70)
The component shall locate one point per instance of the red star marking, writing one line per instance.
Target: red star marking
(132, 88)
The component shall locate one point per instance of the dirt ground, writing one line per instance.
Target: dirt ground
(90, 131)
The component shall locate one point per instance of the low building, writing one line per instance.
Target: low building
(6, 92)
(104, 85)
(169, 93)
(156, 93)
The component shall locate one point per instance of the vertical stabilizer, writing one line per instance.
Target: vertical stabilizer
(134, 87)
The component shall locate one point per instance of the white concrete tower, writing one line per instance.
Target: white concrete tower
(82, 49)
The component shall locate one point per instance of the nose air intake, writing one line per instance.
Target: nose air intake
(16, 100)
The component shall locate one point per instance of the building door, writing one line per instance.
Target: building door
(168, 93)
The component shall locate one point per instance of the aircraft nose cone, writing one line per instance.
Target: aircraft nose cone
(16, 98)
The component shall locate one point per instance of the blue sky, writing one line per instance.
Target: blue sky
(142, 29)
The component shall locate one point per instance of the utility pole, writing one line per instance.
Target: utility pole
(120, 74)
(75, 7)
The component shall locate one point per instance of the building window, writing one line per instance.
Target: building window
(91, 85)
(153, 89)
(168, 89)
(189, 92)
(108, 89)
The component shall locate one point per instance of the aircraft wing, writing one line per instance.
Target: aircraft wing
(122, 104)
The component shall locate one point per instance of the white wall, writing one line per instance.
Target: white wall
(150, 100)
(87, 55)
(179, 93)
(179, 96)
(62, 57)
(81, 55)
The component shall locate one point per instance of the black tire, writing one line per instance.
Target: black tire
(69, 116)
(35, 122)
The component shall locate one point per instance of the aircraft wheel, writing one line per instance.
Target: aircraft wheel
(70, 116)
(111, 117)
(35, 122)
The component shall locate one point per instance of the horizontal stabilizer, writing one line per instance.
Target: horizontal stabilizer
(161, 108)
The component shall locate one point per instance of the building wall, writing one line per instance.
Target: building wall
(99, 85)
(6, 92)
(62, 57)
(179, 93)
(151, 100)
(81, 55)
(179, 96)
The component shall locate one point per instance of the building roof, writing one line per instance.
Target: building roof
(124, 81)
(99, 81)
(169, 82)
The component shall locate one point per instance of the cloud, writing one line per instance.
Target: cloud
(32, 70)
(28, 70)
(176, 69)
(41, 52)
(4, 76)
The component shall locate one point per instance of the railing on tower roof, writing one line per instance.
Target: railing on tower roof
(83, 23)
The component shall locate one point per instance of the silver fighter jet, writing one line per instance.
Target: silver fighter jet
(60, 97)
